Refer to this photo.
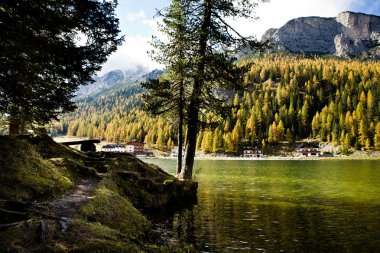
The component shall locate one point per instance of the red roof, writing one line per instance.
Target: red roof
(135, 143)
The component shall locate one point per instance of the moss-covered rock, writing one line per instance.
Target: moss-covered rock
(148, 186)
(82, 236)
(109, 208)
(73, 168)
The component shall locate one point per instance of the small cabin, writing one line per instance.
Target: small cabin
(114, 148)
(308, 149)
(253, 152)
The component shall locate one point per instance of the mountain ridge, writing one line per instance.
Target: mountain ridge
(116, 79)
(347, 35)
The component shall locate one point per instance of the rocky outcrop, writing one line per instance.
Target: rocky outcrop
(268, 34)
(348, 35)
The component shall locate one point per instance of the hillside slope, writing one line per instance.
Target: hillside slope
(55, 199)
(287, 98)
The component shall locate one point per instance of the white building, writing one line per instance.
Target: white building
(308, 149)
(253, 152)
(115, 148)
(135, 147)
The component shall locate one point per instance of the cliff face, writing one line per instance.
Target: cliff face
(348, 35)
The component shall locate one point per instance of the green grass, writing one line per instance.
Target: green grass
(25, 175)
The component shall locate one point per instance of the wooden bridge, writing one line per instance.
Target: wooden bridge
(85, 145)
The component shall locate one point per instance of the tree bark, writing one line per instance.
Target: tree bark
(193, 112)
(16, 125)
(180, 128)
(191, 140)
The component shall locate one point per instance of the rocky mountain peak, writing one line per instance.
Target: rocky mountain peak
(117, 78)
(348, 35)
(358, 25)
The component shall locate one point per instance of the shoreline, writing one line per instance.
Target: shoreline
(271, 158)
(358, 156)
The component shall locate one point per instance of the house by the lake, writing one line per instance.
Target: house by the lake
(253, 152)
(114, 148)
(135, 147)
(308, 149)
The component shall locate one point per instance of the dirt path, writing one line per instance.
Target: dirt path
(68, 204)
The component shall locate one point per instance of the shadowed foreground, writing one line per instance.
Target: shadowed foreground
(53, 198)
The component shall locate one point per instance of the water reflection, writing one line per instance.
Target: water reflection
(284, 206)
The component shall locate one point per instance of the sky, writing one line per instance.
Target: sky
(138, 23)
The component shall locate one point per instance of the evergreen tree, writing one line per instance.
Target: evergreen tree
(217, 143)
(168, 94)
(229, 144)
(371, 104)
(42, 63)
(160, 140)
(376, 139)
(214, 67)
(363, 134)
(280, 130)
(305, 116)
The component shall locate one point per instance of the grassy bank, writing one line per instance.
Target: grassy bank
(53, 198)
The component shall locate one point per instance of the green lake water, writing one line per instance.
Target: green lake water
(282, 206)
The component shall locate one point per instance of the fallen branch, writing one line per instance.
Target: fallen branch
(4, 227)
(10, 216)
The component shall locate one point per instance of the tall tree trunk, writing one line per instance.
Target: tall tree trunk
(193, 112)
(16, 124)
(191, 139)
(180, 128)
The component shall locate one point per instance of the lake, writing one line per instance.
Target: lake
(282, 206)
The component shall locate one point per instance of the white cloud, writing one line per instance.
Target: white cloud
(153, 25)
(131, 54)
(277, 12)
(134, 16)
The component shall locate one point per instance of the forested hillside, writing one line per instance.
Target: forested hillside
(287, 98)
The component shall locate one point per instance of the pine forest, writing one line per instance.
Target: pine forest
(285, 99)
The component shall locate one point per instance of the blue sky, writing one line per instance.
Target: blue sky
(138, 24)
(368, 6)
(132, 14)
